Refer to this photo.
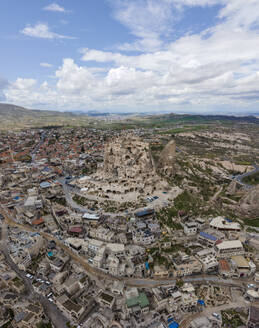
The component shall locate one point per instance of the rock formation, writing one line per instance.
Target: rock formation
(249, 204)
(231, 189)
(167, 157)
(128, 172)
(128, 159)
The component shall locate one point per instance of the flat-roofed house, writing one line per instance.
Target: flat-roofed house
(207, 239)
(190, 228)
(241, 264)
(70, 308)
(160, 271)
(138, 304)
(188, 267)
(220, 223)
(71, 285)
(208, 260)
(106, 299)
(229, 248)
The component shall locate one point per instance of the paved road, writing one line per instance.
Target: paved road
(240, 177)
(70, 201)
(50, 309)
(33, 152)
(67, 189)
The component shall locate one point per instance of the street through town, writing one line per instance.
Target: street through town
(50, 309)
(96, 273)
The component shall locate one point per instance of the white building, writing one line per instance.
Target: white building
(91, 216)
(116, 249)
(30, 202)
(200, 223)
(75, 243)
(104, 234)
(220, 223)
(229, 248)
(142, 238)
(190, 228)
(112, 264)
(99, 257)
(208, 259)
(191, 266)
(92, 245)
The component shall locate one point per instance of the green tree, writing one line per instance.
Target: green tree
(179, 283)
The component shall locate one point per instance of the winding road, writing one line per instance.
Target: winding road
(50, 309)
(58, 319)
(96, 273)
(240, 177)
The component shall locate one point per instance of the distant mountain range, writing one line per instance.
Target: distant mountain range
(8, 110)
(207, 118)
(16, 117)
(12, 116)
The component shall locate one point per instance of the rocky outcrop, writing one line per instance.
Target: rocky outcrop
(129, 168)
(128, 172)
(127, 159)
(231, 189)
(167, 158)
(249, 204)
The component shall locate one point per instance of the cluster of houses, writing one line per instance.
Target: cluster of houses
(223, 248)
(121, 247)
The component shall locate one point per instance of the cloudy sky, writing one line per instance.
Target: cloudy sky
(131, 55)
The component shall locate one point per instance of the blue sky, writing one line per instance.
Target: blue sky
(131, 55)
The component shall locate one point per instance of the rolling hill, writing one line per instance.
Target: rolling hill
(16, 117)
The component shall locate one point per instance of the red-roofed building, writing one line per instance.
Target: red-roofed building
(38, 222)
(225, 269)
(75, 231)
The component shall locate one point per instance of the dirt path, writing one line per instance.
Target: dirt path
(215, 196)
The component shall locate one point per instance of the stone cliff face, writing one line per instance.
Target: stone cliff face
(249, 204)
(127, 159)
(231, 189)
(129, 172)
(167, 157)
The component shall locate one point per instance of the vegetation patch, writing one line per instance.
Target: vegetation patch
(44, 325)
(231, 319)
(252, 179)
(60, 200)
(252, 222)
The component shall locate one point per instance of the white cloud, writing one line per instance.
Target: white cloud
(24, 84)
(102, 56)
(42, 30)
(130, 88)
(47, 65)
(152, 21)
(73, 78)
(216, 68)
(195, 3)
(146, 19)
(55, 7)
